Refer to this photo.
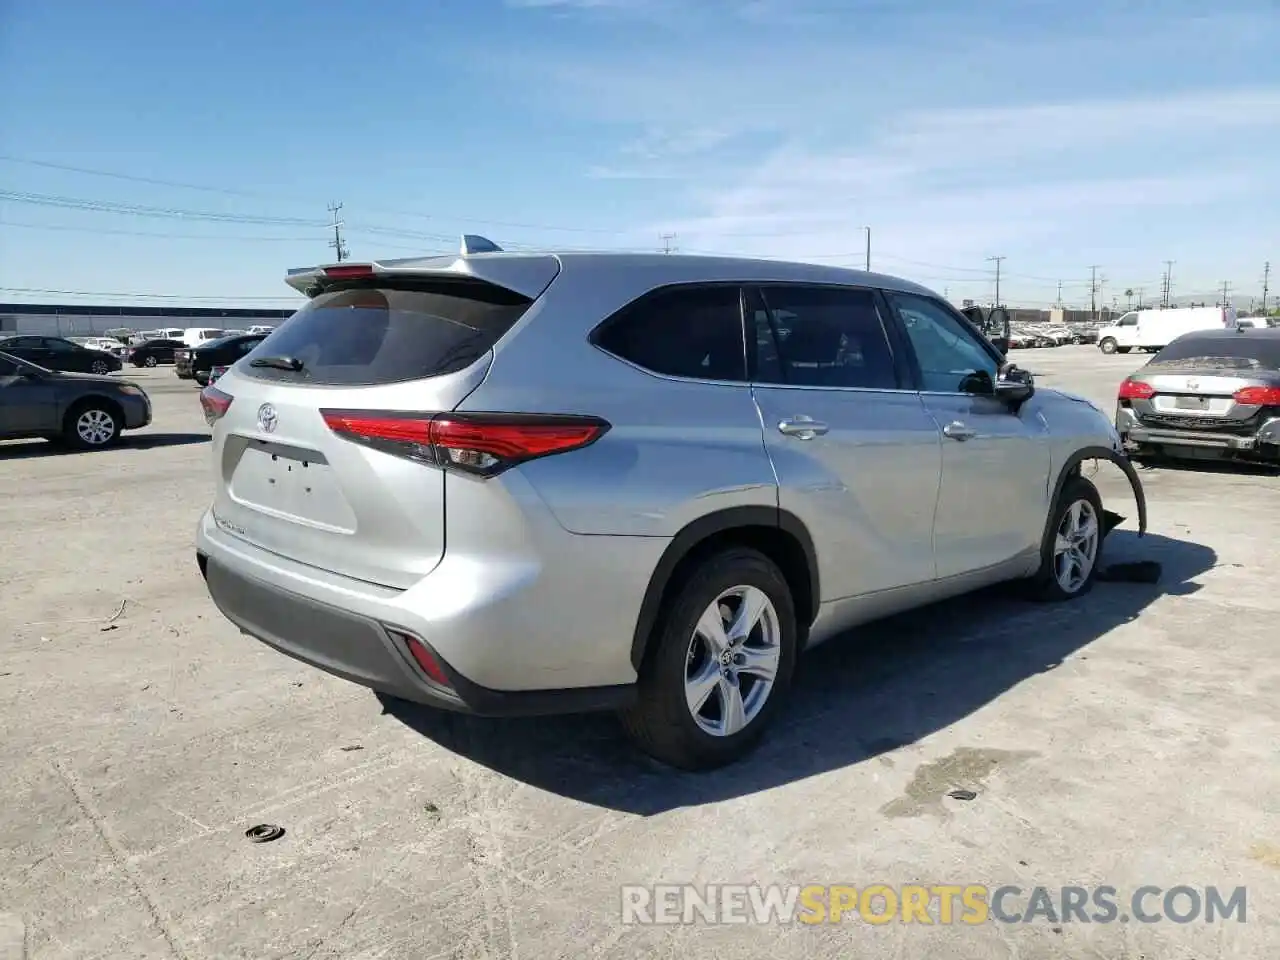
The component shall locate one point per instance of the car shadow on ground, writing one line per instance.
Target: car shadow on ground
(22, 449)
(854, 698)
(1238, 468)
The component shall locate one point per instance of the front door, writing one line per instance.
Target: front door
(857, 456)
(993, 500)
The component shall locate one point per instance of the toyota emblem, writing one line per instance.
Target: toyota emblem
(267, 418)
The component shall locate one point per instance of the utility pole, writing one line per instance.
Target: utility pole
(339, 247)
(1140, 292)
(1059, 294)
(1266, 278)
(667, 240)
(1226, 293)
(998, 261)
(1093, 291)
(1168, 283)
(868, 229)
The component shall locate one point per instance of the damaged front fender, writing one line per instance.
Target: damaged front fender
(1120, 460)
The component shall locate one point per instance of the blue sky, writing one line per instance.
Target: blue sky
(1057, 135)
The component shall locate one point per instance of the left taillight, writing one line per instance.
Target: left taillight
(484, 444)
(1136, 390)
(215, 402)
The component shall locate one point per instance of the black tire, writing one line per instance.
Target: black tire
(79, 436)
(661, 723)
(151, 360)
(100, 367)
(1107, 345)
(1045, 585)
(1123, 349)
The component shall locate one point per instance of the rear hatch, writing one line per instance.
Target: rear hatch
(289, 484)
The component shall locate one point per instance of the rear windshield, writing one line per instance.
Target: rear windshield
(1231, 352)
(373, 335)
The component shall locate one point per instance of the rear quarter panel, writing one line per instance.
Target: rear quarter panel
(677, 449)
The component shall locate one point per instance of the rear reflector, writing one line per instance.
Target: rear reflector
(1258, 396)
(484, 444)
(1136, 390)
(215, 404)
(349, 271)
(425, 659)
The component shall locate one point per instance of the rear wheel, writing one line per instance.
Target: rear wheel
(1107, 346)
(720, 663)
(150, 361)
(100, 367)
(1071, 553)
(92, 425)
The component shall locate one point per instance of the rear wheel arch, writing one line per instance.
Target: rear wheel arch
(778, 534)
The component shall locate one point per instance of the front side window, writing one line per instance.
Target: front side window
(1128, 320)
(950, 357)
(693, 332)
(827, 337)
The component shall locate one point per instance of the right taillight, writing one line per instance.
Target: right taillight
(215, 403)
(1136, 390)
(484, 444)
(1258, 396)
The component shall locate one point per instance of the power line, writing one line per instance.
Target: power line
(1226, 293)
(142, 296)
(142, 210)
(157, 235)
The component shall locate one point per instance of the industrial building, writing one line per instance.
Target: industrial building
(78, 319)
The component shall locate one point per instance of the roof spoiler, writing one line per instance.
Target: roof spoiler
(527, 275)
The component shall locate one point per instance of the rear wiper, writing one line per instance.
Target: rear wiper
(279, 363)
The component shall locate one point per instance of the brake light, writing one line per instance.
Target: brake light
(349, 271)
(1258, 396)
(479, 443)
(215, 404)
(1136, 390)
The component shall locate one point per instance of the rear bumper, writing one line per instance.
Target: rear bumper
(496, 646)
(1264, 444)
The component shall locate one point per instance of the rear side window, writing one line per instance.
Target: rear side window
(827, 337)
(373, 335)
(693, 332)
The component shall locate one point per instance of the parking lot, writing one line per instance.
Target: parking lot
(1128, 739)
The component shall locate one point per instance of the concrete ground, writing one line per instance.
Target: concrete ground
(1127, 739)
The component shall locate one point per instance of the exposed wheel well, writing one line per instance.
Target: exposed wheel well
(776, 534)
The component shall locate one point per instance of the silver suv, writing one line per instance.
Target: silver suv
(511, 483)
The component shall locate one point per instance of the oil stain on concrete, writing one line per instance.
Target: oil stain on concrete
(1267, 854)
(964, 768)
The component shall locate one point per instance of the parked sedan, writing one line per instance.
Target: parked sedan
(58, 353)
(199, 362)
(86, 411)
(149, 353)
(1211, 394)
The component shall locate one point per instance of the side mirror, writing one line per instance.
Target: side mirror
(1001, 344)
(1014, 386)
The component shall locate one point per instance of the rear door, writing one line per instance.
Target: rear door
(288, 483)
(30, 349)
(857, 456)
(995, 462)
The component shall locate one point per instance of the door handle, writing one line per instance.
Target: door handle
(958, 431)
(802, 428)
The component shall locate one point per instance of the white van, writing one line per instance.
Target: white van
(1153, 330)
(195, 336)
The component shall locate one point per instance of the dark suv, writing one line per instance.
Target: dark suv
(198, 363)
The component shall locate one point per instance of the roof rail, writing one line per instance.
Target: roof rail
(471, 243)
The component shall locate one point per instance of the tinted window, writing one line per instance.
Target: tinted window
(681, 332)
(827, 337)
(367, 335)
(1128, 320)
(1236, 351)
(22, 343)
(946, 348)
(60, 346)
